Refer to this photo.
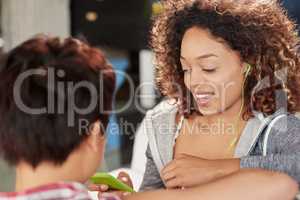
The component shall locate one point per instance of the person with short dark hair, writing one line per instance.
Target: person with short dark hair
(53, 119)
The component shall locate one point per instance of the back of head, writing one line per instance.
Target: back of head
(51, 91)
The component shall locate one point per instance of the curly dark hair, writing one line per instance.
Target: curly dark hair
(259, 30)
(34, 138)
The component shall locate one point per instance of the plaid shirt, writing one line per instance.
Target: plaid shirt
(55, 191)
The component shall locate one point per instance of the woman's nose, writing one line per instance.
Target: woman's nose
(197, 77)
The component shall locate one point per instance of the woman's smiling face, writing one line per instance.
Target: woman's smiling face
(212, 71)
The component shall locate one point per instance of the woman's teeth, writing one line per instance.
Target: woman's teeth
(203, 99)
(203, 95)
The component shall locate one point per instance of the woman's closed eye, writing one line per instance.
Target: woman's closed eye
(209, 70)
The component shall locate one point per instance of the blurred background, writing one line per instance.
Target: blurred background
(120, 28)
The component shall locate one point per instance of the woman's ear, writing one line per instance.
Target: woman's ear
(246, 69)
(96, 138)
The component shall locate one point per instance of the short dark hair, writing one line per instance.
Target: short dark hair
(34, 138)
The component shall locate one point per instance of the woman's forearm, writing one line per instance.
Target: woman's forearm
(245, 184)
(251, 184)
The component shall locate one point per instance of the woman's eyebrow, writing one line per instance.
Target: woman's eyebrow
(202, 56)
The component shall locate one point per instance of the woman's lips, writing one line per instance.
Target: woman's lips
(203, 99)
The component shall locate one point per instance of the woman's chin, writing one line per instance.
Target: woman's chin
(207, 110)
(207, 113)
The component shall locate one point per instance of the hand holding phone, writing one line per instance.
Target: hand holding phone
(112, 182)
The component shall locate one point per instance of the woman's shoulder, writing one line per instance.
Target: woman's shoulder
(166, 108)
(286, 127)
(281, 119)
(287, 120)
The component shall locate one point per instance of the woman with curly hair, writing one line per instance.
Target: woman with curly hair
(230, 73)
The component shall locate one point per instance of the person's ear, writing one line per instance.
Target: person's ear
(246, 69)
(96, 138)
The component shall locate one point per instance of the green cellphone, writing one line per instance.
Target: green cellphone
(112, 182)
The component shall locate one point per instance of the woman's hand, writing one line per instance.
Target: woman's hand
(104, 189)
(189, 171)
